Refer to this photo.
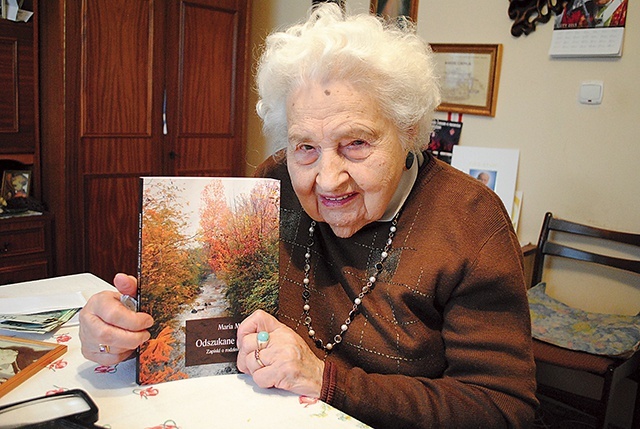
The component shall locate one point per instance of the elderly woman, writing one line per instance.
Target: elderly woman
(402, 298)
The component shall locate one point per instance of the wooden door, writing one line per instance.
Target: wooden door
(135, 62)
(120, 87)
(206, 87)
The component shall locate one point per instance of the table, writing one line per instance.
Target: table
(224, 401)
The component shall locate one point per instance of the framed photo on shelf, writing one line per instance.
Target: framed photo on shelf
(15, 184)
(21, 358)
(495, 167)
(395, 8)
(470, 75)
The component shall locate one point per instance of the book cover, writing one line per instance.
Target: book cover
(208, 257)
(444, 136)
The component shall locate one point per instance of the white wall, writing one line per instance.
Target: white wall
(580, 162)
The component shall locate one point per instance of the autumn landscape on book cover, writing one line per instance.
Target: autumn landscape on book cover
(208, 258)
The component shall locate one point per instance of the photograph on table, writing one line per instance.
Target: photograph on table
(21, 358)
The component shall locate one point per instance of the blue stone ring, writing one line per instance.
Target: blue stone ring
(263, 339)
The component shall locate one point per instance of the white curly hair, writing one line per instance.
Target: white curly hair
(383, 58)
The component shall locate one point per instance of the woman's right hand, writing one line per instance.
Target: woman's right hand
(109, 331)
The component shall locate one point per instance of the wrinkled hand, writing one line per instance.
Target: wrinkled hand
(289, 363)
(104, 320)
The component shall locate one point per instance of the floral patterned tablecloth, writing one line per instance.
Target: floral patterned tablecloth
(224, 401)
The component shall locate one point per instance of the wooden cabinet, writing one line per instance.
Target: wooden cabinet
(26, 245)
(18, 90)
(19, 136)
(131, 89)
(25, 248)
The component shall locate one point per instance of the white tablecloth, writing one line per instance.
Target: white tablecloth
(223, 401)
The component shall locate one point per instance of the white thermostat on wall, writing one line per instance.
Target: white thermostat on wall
(591, 92)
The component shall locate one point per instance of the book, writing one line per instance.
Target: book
(444, 136)
(21, 358)
(208, 257)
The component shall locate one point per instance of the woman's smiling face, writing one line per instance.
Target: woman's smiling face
(344, 157)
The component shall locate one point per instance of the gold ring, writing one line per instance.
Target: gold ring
(103, 348)
(257, 356)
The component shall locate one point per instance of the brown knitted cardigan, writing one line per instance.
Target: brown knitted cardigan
(443, 340)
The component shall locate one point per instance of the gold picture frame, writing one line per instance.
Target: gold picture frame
(470, 74)
(395, 8)
(21, 358)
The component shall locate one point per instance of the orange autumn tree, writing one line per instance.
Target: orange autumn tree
(155, 359)
(169, 275)
(214, 216)
(241, 243)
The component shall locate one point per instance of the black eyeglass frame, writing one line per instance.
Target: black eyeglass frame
(78, 418)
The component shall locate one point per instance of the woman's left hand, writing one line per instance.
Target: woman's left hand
(289, 363)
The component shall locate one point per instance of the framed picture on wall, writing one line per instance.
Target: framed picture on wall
(15, 184)
(469, 77)
(395, 8)
(338, 2)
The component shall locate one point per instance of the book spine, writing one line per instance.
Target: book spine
(138, 294)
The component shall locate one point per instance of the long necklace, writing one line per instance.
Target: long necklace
(306, 293)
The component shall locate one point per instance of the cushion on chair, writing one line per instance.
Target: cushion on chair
(574, 359)
(602, 334)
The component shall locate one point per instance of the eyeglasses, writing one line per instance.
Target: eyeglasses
(70, 409)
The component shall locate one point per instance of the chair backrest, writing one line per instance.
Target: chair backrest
(546, 247)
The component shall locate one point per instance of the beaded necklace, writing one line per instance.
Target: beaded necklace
(306, 293)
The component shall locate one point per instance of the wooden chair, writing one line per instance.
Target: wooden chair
(610, 370)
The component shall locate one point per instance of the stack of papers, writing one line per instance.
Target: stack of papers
(39, 314)
(39, 323)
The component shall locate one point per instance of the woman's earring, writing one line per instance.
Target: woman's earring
(408, 163)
